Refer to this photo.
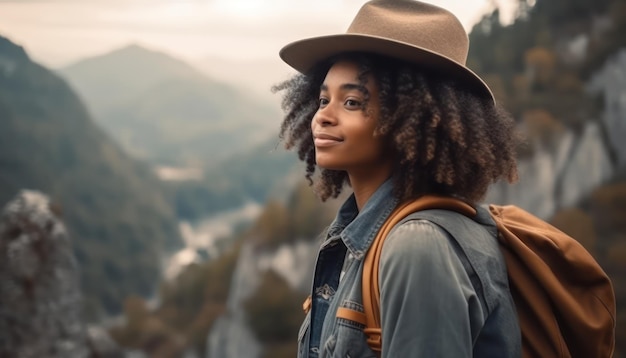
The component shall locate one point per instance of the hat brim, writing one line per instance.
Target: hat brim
(302, 55)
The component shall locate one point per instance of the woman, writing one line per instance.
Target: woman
(390, 110)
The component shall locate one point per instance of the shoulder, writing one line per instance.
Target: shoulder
(417, 240)
(420, 253)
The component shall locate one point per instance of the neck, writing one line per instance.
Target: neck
(365, 185)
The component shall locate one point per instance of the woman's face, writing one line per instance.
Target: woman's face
(343, 130)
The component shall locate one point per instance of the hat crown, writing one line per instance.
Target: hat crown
(415, 23)
(408, 30)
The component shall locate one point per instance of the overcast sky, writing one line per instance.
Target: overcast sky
(58, 32)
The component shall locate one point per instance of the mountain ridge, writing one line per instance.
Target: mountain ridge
(136, 61)
(116, 210)
(166, 111)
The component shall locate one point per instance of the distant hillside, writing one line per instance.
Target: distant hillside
(106, 80)
(162, 110)
(264, 171)
(189, 122)
(118, 218)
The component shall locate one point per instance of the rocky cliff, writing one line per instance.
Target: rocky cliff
(559, 176)
(40, 298)
(610, 84)
(39, 294)
(578, 161)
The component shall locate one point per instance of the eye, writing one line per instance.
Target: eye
(323, 102)
(353, 104)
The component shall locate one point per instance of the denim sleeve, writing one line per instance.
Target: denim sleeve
(425, 295)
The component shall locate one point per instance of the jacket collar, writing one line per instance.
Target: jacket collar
(358, 229)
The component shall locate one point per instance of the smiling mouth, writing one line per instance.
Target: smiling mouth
(325, 140)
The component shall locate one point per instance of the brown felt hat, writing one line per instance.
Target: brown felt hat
(405, 29)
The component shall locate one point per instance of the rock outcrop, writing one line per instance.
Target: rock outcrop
(40, 298)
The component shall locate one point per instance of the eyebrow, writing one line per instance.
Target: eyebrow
(347, 87)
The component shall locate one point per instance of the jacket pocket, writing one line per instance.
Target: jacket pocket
(347, 339)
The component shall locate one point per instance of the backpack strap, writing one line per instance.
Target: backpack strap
(370, 282)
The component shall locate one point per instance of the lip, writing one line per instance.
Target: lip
(325, 140)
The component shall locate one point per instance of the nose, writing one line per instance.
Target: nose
(325, 116)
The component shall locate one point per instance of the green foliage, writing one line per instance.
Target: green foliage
(189, 305)
(272, 226)
(308, 215)
(567, 13)
(115, 209)
(197, 284)
(541, 125)
(274, 311)
(529, 64)
(146, 332)
(304, 216)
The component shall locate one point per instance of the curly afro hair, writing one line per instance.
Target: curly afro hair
(444, 138)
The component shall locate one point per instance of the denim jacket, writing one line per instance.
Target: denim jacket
(440, 296)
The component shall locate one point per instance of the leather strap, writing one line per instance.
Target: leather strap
(351, 315)
(371, 287)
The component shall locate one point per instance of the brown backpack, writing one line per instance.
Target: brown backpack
(564, 300)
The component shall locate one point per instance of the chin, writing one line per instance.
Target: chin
(326, 164)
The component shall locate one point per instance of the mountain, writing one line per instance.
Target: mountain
(190, 121)
(162, 110)
(114, 207)
(106, 80)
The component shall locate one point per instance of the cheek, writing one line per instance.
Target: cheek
(313, 122)
(369, 144)
(378, 145)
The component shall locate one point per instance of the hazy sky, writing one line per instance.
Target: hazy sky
(58, 32)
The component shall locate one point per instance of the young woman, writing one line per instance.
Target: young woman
(390, 110)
